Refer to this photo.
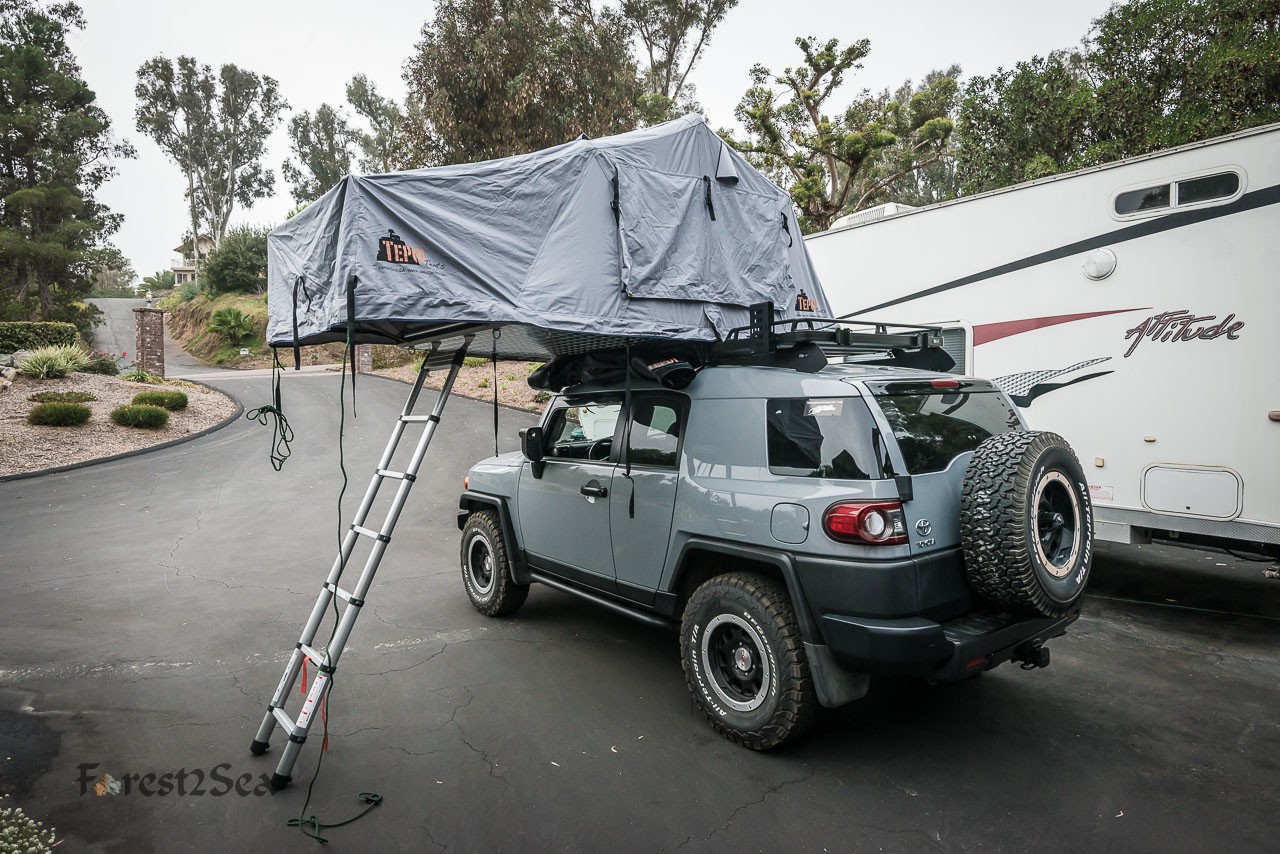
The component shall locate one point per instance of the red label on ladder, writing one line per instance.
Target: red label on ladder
(313, 697)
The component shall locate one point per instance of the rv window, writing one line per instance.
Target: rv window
(1146, 199)
(1208, 188)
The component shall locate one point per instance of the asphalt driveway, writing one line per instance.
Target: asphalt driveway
(147, 606)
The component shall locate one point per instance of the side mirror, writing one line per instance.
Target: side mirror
(531, 447)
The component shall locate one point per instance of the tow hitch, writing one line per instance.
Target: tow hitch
(1031, 655)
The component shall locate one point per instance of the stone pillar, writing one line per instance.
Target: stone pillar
(150, 339)
(364, 358)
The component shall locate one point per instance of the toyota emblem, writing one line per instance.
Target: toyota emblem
(924, 527)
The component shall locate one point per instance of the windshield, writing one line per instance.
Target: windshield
(933, 428)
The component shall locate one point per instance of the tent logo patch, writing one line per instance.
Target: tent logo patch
(391, 248)
(804, 302)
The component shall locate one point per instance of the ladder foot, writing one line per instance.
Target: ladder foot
(279, 781)
(257, 748)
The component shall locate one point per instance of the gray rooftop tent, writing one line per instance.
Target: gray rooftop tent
(663, 233)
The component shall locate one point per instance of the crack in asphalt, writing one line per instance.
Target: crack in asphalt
(770, 791)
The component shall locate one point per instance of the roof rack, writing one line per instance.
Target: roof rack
(766, 334)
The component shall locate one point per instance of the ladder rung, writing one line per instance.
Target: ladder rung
(368, 532)
(398, 475)
(317, 658)
(285, 721)
(343, 595)
(413, 419)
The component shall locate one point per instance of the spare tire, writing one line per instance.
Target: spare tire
(1026, 524)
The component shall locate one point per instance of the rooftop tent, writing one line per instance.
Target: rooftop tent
(663, 233)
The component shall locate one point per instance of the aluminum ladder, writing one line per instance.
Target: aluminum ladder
(326, 660)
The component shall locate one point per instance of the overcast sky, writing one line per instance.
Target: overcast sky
(313, 48)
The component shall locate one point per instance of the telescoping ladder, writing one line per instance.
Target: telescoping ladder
(326, 660)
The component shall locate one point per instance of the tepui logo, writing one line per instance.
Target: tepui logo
(804, 302)
(391, 248)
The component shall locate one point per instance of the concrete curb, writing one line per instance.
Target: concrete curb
(139, 451)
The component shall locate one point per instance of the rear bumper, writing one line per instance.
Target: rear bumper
(944, 651)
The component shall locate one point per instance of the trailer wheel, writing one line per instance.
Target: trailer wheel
(1026, 524)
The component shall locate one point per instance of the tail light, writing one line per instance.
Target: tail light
(876, 523)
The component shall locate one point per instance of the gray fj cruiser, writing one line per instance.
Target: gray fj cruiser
(802, 529)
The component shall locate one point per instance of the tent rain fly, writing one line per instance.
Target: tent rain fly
(664, 233)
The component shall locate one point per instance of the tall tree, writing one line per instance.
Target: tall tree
(321, 144)
(112, 271)
(1151, 74)
(673, 35)
(56, 150)
(384, 117)
(215, 129)
(822, 159)
(492, 78)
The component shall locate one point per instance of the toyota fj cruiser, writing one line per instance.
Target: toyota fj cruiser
(803, 529)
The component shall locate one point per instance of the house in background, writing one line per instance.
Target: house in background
(184, 266)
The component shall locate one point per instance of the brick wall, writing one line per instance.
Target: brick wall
(364, 358)
(149, 325)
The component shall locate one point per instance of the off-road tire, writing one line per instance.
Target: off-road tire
(757, 612)
(1026, 524)
(486, 570)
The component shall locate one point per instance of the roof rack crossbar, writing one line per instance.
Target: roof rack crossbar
(765, 334)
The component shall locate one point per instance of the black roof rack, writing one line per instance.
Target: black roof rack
(766, 334)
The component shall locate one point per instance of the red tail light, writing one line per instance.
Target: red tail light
(876, 523)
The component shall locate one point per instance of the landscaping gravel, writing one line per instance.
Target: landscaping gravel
(25, 447)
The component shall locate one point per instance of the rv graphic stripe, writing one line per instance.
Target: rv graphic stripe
(1249, 201)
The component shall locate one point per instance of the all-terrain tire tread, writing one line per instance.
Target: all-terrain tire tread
(507, 595)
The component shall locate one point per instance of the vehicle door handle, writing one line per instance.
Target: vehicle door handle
(593, 489)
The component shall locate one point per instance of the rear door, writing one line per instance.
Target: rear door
(641, 508)
(937, 425)
(564, 514)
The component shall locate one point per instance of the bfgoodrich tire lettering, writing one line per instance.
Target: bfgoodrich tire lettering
(1027, 524)
(486, 572)
(744, 661)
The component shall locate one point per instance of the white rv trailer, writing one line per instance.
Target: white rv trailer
(1128, 307)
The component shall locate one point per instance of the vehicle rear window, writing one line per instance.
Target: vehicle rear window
(824, 437)
(933, 428)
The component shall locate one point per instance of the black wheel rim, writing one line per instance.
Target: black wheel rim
(480, 565)
(1057, 523)
(736, 662)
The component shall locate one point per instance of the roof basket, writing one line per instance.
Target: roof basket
(836, 337)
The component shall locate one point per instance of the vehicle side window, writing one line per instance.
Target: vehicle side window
(656, 426)
(582, 430)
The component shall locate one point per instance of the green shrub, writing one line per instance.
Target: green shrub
(187, 291)
(51, 362)
(231, 323)
(59, 414)
(62, 397)
(139, 374)
(140, 415)
(32, 335)
(542, 397)
(101, 363)
(475, 361)
(170, 400)
(238, 264)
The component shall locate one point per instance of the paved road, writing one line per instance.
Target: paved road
(146, 607)
(117, 334)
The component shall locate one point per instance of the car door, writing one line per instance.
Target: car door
(564, 514)
(640, 511)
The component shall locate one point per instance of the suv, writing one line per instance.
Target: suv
(802, 530)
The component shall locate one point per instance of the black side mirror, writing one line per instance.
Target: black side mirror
(531, 447)
(531, 443)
